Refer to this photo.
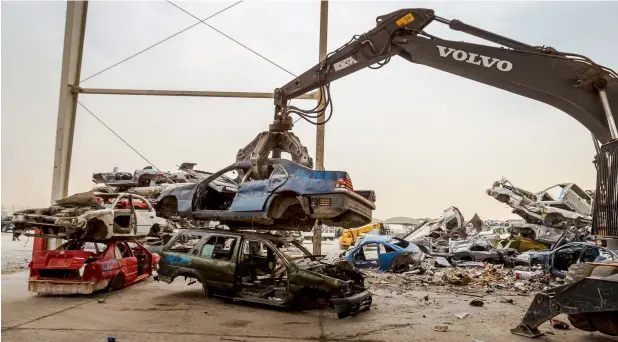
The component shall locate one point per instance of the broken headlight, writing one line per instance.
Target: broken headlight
(81, 270)
(344, 286)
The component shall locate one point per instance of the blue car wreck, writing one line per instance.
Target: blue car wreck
(383, 253)
(291, 198)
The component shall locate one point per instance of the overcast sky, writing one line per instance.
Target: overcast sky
(422, 139)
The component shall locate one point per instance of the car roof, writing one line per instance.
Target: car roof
(244, 234)
(377, 238)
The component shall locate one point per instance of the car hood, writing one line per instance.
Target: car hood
(332, 271)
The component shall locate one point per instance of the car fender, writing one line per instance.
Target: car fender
(183, 271)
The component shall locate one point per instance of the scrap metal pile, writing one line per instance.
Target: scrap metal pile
(523, 256)
(548, 221)
(120, 204)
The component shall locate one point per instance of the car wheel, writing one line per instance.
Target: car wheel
(205, 291)
(117, 282)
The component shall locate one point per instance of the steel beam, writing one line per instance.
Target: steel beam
(74, 32)
(320, 129)
(196, 93)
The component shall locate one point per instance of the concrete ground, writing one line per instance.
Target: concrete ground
(152, 311)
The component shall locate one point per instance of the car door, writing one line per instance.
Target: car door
(207, 200)
(128, 262)
(386, 254)
(253, 194)
(144, 214)
(366, 256)
(124, 216)
(215, 260)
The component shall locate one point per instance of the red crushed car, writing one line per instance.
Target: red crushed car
(78, 267)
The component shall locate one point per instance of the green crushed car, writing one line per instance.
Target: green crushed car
(261, 268)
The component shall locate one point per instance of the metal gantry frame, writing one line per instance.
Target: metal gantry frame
(74, 33)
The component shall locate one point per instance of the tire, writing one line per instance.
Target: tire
(604, 271)
(578, 272)
(117, 282)
(205, 291)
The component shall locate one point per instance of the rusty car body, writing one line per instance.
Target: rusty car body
(93, 216)
(571, 206)
(261, 268)
(383, 253)
(78, 267)
(291, 198)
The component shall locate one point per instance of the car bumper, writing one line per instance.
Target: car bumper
(352, 206)
(351, 306)
(64, 287)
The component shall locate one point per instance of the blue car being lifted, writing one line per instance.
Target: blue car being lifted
(291, 198)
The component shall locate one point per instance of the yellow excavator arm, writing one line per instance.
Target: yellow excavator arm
(349, 236)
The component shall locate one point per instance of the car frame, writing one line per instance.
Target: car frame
(292, 198)
(93, 216)
(548, 258)
(67, 271)
(224, 266)
(390, 255)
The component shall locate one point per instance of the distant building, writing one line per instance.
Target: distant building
(401, 224)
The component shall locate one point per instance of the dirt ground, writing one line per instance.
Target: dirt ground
(152, 311)
(15, 254)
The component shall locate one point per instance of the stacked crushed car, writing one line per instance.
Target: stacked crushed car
(236, 256)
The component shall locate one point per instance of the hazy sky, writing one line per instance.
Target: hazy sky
(422, 139)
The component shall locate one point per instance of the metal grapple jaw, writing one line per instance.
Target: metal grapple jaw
(277, 139)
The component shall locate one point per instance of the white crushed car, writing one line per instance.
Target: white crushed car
(93, 216)
(559, 206)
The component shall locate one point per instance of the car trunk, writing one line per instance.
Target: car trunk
(367, 194)
(59, 264)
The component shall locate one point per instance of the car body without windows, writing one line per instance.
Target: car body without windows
(93, 216)
(384, 253)
(261, 268)
(572, 206)
(290, 199)
(558, 261)
(78, 267)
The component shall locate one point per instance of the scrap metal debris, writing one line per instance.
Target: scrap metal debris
(440, 328)
(558, 324)
(522, 256)
(462, 315)
(477, 303)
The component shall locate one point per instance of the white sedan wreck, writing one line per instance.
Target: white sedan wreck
(93, 216)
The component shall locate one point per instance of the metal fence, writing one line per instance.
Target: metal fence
(605, 211)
